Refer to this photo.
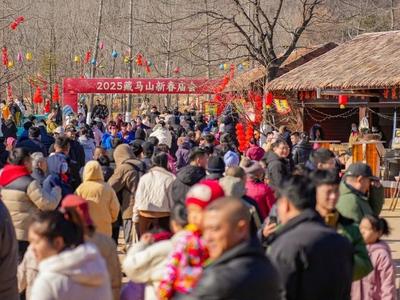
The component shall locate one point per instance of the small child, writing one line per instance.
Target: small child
(185, 264)
(380, 283)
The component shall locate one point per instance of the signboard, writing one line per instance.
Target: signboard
(282, 106)
(139, 86)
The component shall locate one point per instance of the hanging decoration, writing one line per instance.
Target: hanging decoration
(139, 59)
(282, 106)
(16, 22)
(77, 59)
(4, 56)
(177, 70)
(28, 56)
(148, 64)
(231, 71)
(56, 93)
(221, 67)
(10, 64)
(20, 57)
(241, 137)
(249, 134)
(127, 60)
(114, 54)
(47, 106)
(269, 99)
(258, 109)
(88, 55)
(9, 92)
(37, 97)
(93, 61)
(343, 100)
(101, 45)
(240, 67)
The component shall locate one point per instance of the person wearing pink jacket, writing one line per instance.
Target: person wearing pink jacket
(380, 283)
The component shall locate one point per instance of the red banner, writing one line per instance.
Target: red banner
(139, 86)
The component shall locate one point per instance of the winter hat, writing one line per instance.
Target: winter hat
(253, 168)
(233, 186)
(204, 192)
(81, 205)
(231, 159)
(255, 153)
(215, 164)
(10, 141)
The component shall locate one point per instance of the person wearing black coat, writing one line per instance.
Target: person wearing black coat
(33, 143)
(239, 269)
(313, 260)
(301, 150)
(46, 139)
(278, 168)
(9, 129)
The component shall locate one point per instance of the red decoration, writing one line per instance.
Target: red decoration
(37, 97)
(269, 99)
(148, 70)
(177, 70)
(4, 56)
(139, 59)
(16, 22)
(88, 55)
(47, 106)
(9, 92)
(232, 71)
(56, 93)
(343, 100)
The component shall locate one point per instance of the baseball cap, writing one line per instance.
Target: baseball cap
(361, 169)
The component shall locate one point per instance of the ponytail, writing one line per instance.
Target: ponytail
(379, 224)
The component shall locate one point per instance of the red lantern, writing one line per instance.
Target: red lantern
(56, 93)
(343, 100)
(88, 55)
(4, 55)
(139, 59)
(37, 97)
(9, 92)
(148, 70)
(47, 106)
(177, 70)
(269, 99)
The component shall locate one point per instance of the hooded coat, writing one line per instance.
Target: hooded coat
(163, 135)
(277, 169)
(186, 177)
(103, 202)
(78, 273)
(182, 155)
(380, 283)
(126, 177)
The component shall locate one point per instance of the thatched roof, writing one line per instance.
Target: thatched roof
(370, 60)
(297, 58)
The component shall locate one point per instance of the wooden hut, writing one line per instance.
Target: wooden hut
(365, 69)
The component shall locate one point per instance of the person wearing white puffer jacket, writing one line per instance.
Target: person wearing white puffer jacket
(162, 133)
(69, 268)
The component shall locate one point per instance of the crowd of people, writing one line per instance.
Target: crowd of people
(199, 219)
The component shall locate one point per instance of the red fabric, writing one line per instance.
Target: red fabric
(160, 236)
(262, 194)
(11, 173)
(255, 153)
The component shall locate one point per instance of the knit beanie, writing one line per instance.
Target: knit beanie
(231, 159)
(204, 192)
(81, 205)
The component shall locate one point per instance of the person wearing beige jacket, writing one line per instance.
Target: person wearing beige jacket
(152, 208)
(103, 202)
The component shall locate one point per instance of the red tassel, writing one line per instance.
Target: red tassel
(269, 99)
(4, 56)
(88, 55)
(9, 92)
(56, 93)
(37, 97)
(343, 100)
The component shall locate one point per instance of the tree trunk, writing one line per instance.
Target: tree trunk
(130, 97)
(96, 48)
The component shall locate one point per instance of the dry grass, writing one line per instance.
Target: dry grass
(370, 60)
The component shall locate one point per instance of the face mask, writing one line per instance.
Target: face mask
(353, 128)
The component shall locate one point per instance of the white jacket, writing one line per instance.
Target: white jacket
(163, 135)
(146, 264)
(152, 192)
(76, 274)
